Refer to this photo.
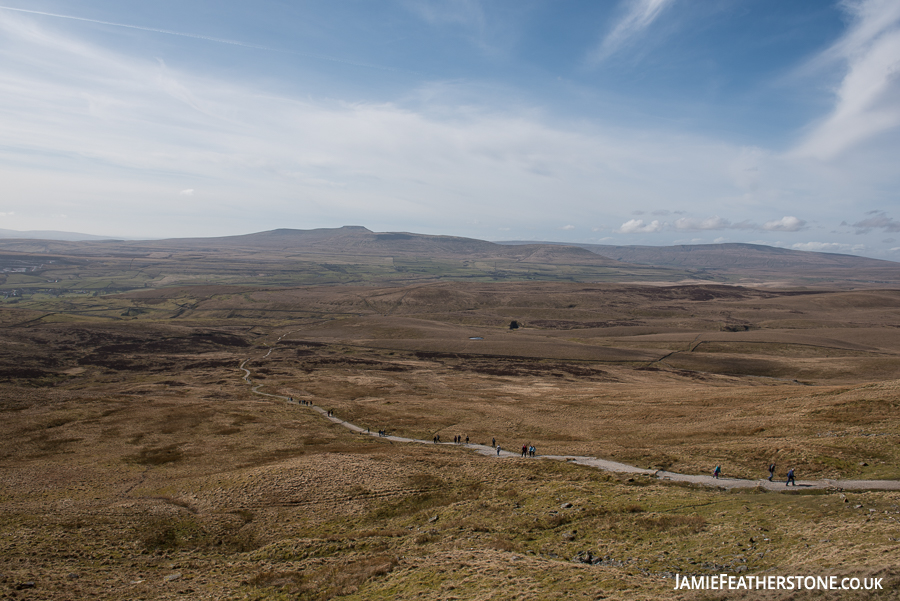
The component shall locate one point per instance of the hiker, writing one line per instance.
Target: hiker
(771, 471)
(498, 450)
(532, 450)
(790, 478)
(467, 439)
(524, 450)
(493, 442)
(717, 472)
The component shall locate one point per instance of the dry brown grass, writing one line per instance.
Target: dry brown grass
(139, 451)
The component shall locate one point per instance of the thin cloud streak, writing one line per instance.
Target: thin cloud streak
(140, 28)
(642, 14)
(212, 39)
(866, 104)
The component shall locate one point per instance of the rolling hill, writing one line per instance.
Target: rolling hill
(354, 254)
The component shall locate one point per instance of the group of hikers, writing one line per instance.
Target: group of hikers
(528, 449)
(456, 439)
(790, 474)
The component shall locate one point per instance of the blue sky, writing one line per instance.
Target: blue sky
(614, 122)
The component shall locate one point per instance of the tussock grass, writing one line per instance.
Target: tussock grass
(325, 582)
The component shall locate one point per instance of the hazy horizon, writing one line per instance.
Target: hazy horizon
(6, 234)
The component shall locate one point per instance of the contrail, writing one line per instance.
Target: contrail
(209, 39)
(165, 31)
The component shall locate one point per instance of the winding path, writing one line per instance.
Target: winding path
(605, 464)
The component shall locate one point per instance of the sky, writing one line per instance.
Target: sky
(649, 122)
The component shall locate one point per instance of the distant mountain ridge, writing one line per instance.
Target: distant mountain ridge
(716, 256)
(404, 255)
(346, 240)
(49, 235)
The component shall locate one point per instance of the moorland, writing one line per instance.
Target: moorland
(137, 462)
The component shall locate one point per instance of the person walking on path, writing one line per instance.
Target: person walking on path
(717, 472)
(525, 450)
(498, 450)
(771, 471)
(790, 478)
(493, 442)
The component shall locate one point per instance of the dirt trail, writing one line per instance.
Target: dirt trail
(605, 464)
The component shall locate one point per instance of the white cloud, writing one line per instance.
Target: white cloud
(710, 223)
(641, 15)
(690, 224)
(785, 224)
(567, 227)
(188, 192)
(866, 103)
(637, 226)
